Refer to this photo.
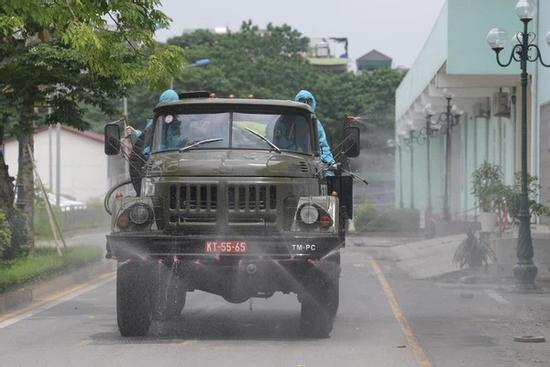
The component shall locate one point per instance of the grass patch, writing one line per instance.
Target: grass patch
(44, 262)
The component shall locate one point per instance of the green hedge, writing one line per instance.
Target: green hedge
(43, 262)
(369, 219)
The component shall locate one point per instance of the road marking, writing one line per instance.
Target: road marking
(419, 355)
(54, 300)
(497, 297)
(85, 342)
(187, 342)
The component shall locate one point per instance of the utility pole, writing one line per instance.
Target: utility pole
(125, 106)
(411, 139)
(20, 202)
(50, 158)
(58, 166)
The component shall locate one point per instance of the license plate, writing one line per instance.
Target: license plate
(225, 247)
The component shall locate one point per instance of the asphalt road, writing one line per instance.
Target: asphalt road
(385, 319)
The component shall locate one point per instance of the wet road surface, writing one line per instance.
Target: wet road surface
(425, 325)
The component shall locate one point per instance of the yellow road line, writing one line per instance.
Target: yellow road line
(419, 354)
(55, 297)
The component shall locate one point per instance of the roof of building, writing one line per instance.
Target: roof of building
(374, 55)
(92, 135)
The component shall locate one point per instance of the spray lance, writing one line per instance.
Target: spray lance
(338, 166)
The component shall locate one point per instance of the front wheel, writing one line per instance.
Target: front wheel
(170, 294)
(319, 306)
(134, 304)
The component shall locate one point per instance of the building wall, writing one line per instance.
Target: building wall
(543, 85)
(430, 59)
(543, 104)
(457, 47)
(468, 24)
(474, 141)
(83, 164)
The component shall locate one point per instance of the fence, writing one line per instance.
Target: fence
(93, 216)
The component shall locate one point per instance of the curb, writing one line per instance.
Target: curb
(25, 295)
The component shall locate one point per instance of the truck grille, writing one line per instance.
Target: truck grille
(251, 197)
(204, 197)
(226, 206)
(191, 197)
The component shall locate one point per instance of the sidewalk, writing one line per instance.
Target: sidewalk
(427, 258)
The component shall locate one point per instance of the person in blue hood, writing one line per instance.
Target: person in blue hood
(307, 97)
(168, 95)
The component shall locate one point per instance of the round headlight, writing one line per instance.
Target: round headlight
(140, 214)
(309, 214)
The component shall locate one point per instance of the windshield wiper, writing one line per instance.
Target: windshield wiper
(276, 148)
(200, 142)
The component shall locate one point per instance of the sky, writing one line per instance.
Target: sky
(397, 28)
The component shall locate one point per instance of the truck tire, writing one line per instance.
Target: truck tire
(175, 304)
(171, 301)
(319, 306)
(169, 292)
(334, 286)
(134, 304)
(334, 298)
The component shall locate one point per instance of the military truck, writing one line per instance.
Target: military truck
(232, 199)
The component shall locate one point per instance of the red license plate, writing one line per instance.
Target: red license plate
(225, 247)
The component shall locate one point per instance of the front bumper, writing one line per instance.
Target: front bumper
(122, 245)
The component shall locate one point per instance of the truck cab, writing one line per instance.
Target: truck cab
(231, 199)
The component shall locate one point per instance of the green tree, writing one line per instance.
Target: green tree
(61, 56)
(271, 63)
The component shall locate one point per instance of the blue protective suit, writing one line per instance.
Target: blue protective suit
(324, 148)
(168, 95)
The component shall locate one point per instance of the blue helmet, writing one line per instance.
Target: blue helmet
(169, 95)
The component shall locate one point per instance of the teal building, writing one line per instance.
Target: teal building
(456, 61)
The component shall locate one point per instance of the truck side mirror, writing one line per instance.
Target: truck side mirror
(351, 141)
(112, 138)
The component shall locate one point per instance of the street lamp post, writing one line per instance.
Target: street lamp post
(411, 156)
(428, 133)
(524, 51)
(397, 145)
(446, 210)
(197, 64)
(449, 118)
(413, 137)
(400, 176)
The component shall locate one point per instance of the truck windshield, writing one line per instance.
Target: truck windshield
(289, 131)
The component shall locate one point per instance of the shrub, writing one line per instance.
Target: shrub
(18, 244)
(488, 186)
(5, 234)
(363, 214)
(395, 220)
(511, 195)
(473, 252)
